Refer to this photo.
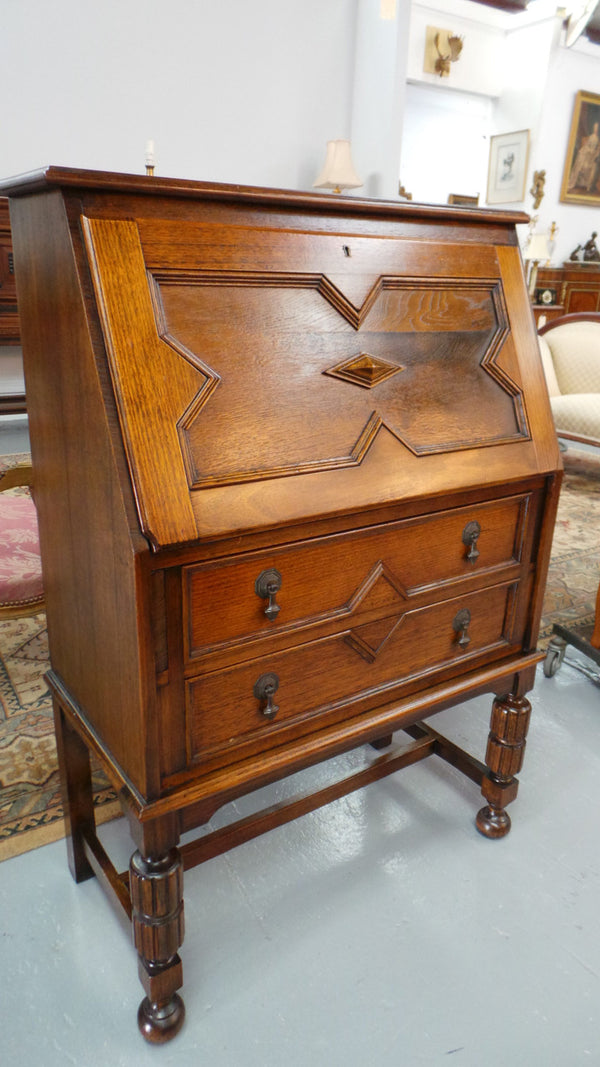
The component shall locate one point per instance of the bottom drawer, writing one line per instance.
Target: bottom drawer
(350, 671)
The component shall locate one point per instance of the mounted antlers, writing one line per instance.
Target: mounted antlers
(442, 63)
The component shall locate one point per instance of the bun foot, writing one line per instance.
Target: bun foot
(161, 1022)
(492, 822)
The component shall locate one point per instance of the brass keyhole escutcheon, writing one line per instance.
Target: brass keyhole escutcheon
(265, 688)
(267, 586)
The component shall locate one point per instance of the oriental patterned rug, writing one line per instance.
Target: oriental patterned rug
(31, 811)
(575, 561)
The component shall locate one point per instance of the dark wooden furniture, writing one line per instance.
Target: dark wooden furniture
(296, 478)
(585, 637)
(577, 288)
(10, 403)
(9, 319)
(545, 313)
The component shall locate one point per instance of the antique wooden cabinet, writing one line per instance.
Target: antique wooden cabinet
(576, 287)
(296, 476)
(9, 319)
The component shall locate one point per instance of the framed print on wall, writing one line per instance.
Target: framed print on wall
(508, 167)
(581, 176)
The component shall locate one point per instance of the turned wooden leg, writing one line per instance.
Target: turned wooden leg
(156, 886)
(77, 795)
(504, 758)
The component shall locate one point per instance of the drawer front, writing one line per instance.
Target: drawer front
(323, 681)
(366, 573)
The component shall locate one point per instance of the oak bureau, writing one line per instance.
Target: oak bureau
(296, 476)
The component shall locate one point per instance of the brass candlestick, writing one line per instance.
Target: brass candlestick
(150, 158)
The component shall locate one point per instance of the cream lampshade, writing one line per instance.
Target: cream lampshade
(338, 171)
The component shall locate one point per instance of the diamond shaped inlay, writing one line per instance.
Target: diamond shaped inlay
(380, 592)
(364, 370)
(369, 640)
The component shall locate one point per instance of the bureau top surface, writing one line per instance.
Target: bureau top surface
(278, 357)
(118, 183)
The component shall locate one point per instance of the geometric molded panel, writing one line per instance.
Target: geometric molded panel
(380, 591)
(267, 343)
(369, 640)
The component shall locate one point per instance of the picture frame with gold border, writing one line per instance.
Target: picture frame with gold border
(581, 174)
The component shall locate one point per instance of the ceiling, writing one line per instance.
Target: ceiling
(591, 27)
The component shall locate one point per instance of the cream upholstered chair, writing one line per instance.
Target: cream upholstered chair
(21, 589)
(570, 348)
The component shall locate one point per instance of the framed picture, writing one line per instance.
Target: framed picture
(581, 176)
(507, 170)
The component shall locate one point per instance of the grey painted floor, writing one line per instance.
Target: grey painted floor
(14, 434)
(382, 930)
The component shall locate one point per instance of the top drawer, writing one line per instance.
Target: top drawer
(359, 573)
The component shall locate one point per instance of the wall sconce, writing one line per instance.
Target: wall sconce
(338, 170)
(442, 48)
(537, 252)
(537, 188)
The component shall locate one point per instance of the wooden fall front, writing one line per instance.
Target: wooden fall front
(296, 478)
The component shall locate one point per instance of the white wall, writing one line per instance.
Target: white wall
(249, 91)
(524, 78)
(526, 56)
(570, 70)
(496, 86)
(480, 68)
(378, 95)
(246, 91)
(243, 91)
(445, 143)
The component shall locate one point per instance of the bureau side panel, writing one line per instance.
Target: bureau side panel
(88, 546)
(531, 372)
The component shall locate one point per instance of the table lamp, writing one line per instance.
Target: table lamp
(338, 170)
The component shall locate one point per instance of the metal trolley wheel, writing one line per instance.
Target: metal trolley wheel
(554, 656)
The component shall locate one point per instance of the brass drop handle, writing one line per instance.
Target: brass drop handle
(267, 586)
(469, 537)
(265, 688)
(460, 625)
